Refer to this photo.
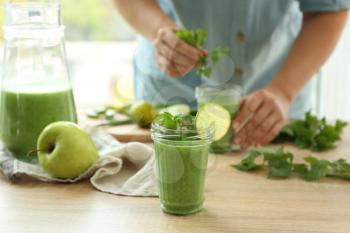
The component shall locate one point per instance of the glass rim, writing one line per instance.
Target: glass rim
(159, 132)
(229, 89)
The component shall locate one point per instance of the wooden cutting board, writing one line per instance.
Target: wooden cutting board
(123, 133)
(129, 133)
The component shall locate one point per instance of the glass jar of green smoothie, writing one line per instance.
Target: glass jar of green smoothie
(181, 162)
(36, 89)
(229, 97)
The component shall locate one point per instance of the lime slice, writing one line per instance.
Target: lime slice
(177, 109)
(216, 115)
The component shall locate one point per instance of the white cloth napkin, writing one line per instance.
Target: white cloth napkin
(122, 169)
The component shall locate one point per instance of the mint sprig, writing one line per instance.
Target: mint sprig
(197, 38)
(312, 133)
(175, 122)
(280, 165)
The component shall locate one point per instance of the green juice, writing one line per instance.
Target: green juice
(181, 168)
(26, 110)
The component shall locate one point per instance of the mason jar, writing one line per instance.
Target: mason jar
(181, 164)
(229, 97)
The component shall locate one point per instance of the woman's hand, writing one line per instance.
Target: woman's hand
(175, 57)
(268, 109)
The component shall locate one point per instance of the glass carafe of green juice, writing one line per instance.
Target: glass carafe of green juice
(35, 87)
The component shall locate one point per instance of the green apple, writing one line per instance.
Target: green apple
(65, 151)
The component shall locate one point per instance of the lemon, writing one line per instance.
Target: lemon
(211, 114)
(143, 114)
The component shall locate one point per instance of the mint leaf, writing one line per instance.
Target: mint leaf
(184, 121)
(217, 54)
(341, 166)
(339, 169)
(204, 71)
(183, 124)
(248, 163)
(279, 163)
(301, 169)
(317, 170)
(166, 120)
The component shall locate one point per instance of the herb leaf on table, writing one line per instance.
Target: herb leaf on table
(280, 165)
(317, 168)
(248, 162)
(312, 133)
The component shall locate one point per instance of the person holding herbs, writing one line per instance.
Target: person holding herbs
(275, 47)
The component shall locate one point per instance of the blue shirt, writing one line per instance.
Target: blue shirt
(259, 34)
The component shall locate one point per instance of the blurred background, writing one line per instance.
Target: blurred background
(100, 47)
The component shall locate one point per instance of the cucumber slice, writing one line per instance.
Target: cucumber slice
(177, 109)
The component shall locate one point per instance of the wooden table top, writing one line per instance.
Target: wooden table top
(235, 202)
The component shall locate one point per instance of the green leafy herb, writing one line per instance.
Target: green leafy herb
(183, 123)
(317, 168)
(175, 122)
(301, 169)
(312, 133)
(340, 169)
(179, 122)
(196, 39)
(167, 120)
(217, 54)
(248, 163)
(204, 71)
(280, 165)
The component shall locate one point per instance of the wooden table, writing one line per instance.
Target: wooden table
(235, 202)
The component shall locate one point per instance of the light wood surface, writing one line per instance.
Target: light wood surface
(123, 133)
(235, 202)
(130, 133)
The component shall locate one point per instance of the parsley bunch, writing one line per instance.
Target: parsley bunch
(312, 133)
(196, 39)
(280, 165)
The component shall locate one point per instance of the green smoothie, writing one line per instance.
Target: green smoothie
(181, 153)
(181, 168)
(229, 98)
(26, 110)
